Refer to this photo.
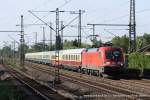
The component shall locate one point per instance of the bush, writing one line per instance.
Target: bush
(139, 61)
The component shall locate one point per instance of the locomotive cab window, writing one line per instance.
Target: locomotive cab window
(113, 54)
(117, 53)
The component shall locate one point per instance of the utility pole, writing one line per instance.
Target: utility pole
(22, 55)
(35, 37)
(80, 12)
(94, 36)
(13, 51)
(44, 39)
(132, 28)
(62, 34)
(79, 29)
(50, 46)
(57, 47)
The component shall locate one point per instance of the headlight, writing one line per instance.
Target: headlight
(106, 62)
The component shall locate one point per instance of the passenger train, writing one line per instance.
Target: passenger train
(103, 60)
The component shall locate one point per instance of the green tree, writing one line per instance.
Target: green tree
(75, 43)
(146, 37)
(26, 47)
(38, 47)
(122, 42)
(143, 41)
(6, 51)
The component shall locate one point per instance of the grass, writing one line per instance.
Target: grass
(10, 92)
(15, 64)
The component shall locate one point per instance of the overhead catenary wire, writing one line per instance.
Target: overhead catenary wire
(120, 5)
(45, 16)
(41, 20)
(126, 15)
(69, 23)
(66, 2)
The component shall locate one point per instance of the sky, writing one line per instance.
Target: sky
(96, 11)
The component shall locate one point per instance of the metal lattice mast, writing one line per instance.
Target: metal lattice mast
(22, 55)
(44, 39)
(79, 29)
(57, 47)
(132, 27)
(50, 47)
(62, 25)
(80, 12)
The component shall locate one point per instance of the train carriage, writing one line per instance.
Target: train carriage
(71, 59)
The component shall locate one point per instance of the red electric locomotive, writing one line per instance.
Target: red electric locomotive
(103, 60)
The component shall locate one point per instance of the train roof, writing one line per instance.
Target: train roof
(92, 50)
(72, 51)
(100, 48)
(69, 51)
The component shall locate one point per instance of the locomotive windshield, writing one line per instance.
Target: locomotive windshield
(113, 54)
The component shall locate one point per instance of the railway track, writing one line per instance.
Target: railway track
(114, 88)
(43, 91)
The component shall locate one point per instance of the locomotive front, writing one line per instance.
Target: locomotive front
(112, 60)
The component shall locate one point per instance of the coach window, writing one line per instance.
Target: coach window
(66, 57)
(70, 57)
(76, 57)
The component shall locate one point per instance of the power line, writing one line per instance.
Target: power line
(109, 24)
(126, 15)
(43, 4)
(41, 20)
(124, 3)
(66, 2)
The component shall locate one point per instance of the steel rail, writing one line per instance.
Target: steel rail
(108, 88)
(21, 78)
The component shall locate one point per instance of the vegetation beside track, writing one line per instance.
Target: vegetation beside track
(139, 61)
(138, 65)
(13, 63)
(9, 91)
